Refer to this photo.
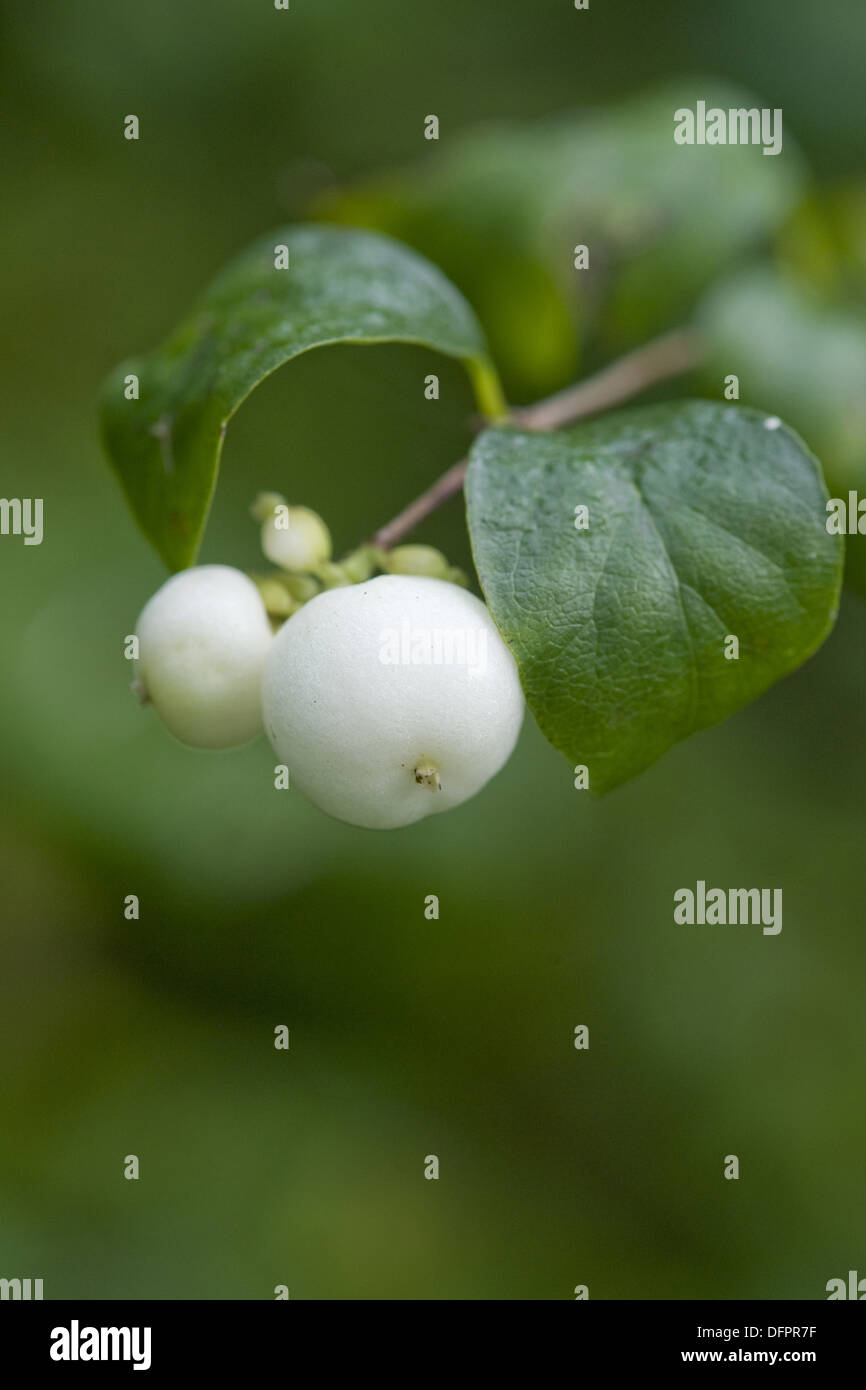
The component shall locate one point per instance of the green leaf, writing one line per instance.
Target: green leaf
(340, 287)
(809, 359)
(703, 523)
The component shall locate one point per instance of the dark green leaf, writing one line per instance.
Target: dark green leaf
(703, 523)
(341, 287)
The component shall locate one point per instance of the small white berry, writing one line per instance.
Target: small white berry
(296, 538)
(203, 638)
(391, 700)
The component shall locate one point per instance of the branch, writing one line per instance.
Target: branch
(447, 486)
(665, 357)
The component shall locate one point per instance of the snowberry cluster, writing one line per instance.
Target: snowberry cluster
(389, 696)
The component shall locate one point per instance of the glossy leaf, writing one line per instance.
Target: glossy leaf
(704, 523)
(340, 286)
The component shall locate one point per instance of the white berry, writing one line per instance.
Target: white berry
(391, 700)
(203, 638)
(296, 538)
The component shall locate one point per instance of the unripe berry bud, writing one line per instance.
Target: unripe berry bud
(296, 538)
(278, 602)
(416, 559)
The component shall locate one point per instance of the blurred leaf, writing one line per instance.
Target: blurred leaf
(340, 287)
(804, 360)
(675, 216)
(702, 523)
(823, 243)
(502, 208)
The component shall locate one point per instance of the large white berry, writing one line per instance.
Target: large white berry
(391, 700)
(203, 638)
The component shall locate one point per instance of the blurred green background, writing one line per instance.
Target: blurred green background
(408, 1037)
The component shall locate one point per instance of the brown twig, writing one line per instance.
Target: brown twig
(668, 356)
